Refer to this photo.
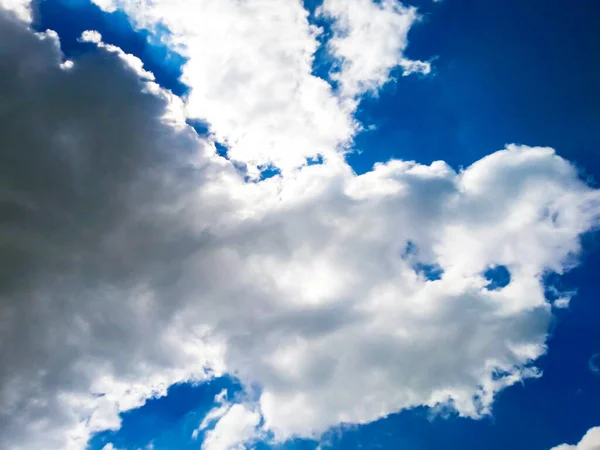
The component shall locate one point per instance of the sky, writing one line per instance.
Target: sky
(275, 224)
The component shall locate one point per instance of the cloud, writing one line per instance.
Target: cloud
(369, 40)
(91, 165)
(250, 70)
(109, 446)
(132, 61)
(236, 426)
(229, 426)
(250, 77)
(221, 408)
(20, 8)
(134, 257)
(590, 441)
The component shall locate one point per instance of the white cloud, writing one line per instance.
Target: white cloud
(109, 446)
(590, 441)
(221, 408)
(250, 70)
(562, 298)
(230, 426)
(85, 161)
(235, 428)
(91, 36)
(20, 8)
(132, 61)
(369, 39)
(133, 257)
(562, 302)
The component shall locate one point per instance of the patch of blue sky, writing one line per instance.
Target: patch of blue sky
(314, 161)
(221, 149)
(168, 422)
(324, 64)
(268, 172)
(498, 277)
(431, 272)
(509, 71)
(594, 363)
(69, 18)
(203, 129)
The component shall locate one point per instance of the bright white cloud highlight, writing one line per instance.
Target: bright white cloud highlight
(20, 8)
(109, 447)
(229, 426)
(250, 77)
(237, 426)
(222, 406)
(369, 40)
(590, 441)
(134, 257)
(250, 70)
(132, 61)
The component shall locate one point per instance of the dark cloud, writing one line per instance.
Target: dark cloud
(87, 165)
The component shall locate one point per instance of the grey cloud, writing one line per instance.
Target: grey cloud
(86, 166)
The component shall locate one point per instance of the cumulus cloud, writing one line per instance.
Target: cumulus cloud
(132, 61)
(221, 407)
(91, 166)
(134, 257)
(235, 428)
(230, 426)
(369, 40)
(21, 8)
(590, 441)
(250, 70)
(109, 447)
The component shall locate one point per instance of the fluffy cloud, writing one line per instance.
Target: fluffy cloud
(590, 441)
(91, 165)
(236, 427)
(109, 447)
(369, 41)
(250, 70)
(230, 426)
(365, 321)
(21, 8)
(134, 257)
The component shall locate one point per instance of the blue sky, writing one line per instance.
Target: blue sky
(502, 72)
